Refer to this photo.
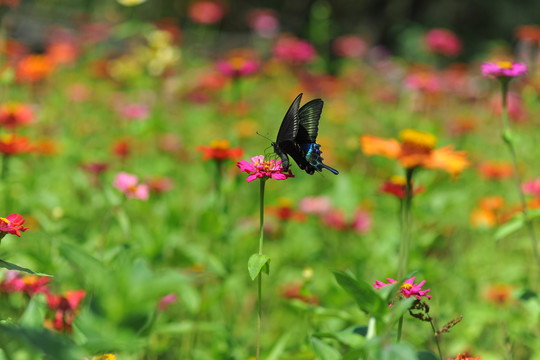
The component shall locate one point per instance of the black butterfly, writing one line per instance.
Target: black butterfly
(297, 137)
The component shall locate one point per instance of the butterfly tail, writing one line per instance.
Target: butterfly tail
(332, 170)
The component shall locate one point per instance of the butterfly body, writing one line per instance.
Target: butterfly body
(297, 137)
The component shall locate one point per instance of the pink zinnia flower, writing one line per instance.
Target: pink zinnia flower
(206, 12)
(442, 41)
(264, 22)
(166, 301)
(362, 222)
(129, 185)
(15, 281)
(315, 204)
(265, 169)
(531, 187)
(134, 111)
(350, 46)
(237, 66)
(408, 288)
(12, 224)
(294, 51)
(504, 69)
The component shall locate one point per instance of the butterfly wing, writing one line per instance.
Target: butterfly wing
(288, 132)
(308, 120)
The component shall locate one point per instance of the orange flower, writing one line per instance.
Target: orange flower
(488, 212)
(416, 149)
(220, 150)
(500, 293)
(34, 68)
(11, 144)
(62, 52)
(495, 170)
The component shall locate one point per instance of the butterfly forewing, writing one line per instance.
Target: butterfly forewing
(289, 127)
(308, 118)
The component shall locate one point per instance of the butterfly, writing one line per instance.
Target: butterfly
(297, 137)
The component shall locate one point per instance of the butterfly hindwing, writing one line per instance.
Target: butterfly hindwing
(308, 118)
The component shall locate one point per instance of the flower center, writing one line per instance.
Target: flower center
(418, 138)
(4, 220)
(237, 62)
(398, 180)
(219, 144)
(505, 64)
(406, 286)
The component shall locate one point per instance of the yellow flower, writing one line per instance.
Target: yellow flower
(130, 2)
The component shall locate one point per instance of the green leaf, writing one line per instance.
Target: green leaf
(34, 314)
(510, 227)
(11, 266)
(350, 336)
(256, 263)
(53, 345)
(279, 347)
(323, 350)
(398, 351)
(366, 298)
(427, 355)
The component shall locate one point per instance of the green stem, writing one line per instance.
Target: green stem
(436, 339)
(259, 280)
(509, 141)
(399, 328)
(405, 235)
(405, 225)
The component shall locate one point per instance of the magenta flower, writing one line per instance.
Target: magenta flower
(408, 288)
(504, 69)
(531, 187)
(362, 222)
(265, 169)
(315, 205)
(237, 66)
(134, 111)
(167, 300)
(443, 41)
(12, 224)
(294, 51)
(129, 185)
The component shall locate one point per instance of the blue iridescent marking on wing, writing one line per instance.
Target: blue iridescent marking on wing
(313, 156)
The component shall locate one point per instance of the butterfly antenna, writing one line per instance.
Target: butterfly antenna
(267, 138)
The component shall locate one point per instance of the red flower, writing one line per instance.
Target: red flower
(397, 186)
(95, 167)
(496, 170)
(284, 211)
(11, 144)
(443, 41)
(64, 307)
(220, 150)
(12, 224)
(14, 114)
(298, 291)
(294, 51)
(159, 184)
(30, 284)
(122, 148)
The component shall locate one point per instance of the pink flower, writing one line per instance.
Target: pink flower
(442, 41)
(166, 301)
(362, 222)
(237, 63)
(504, 69)
(349, 46)
(294, 51)
(134, 111)
(335, 219)
(12, 224)
(264, 22)
(259, 168)
(15, 281)
(315, 204)
(129, 185)
(408, 288)
(206, 12)
(531, 187)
